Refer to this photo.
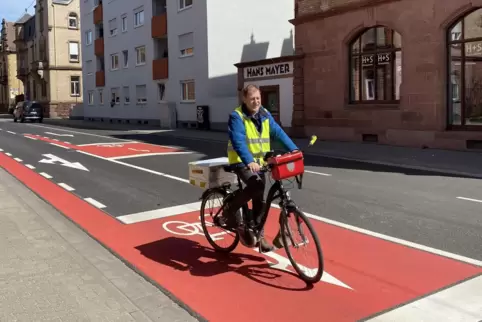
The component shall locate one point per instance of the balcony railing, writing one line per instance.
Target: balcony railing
(160, 68)
(100, 78)
(98, 14)
(99, 47)
(159, 26)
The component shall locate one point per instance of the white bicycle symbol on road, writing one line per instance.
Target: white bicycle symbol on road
(189, 229)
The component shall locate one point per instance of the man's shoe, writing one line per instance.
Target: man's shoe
(278, 241)
(265, 246)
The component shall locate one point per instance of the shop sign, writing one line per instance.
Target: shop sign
(382, 59)
(271, 70)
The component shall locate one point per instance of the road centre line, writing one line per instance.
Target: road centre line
(470, 199)
(106, 143)
(60, 146)
(148, 154)
(176, 210)
(136, 167)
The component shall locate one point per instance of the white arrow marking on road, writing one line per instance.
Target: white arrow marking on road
(52, 159)
(57, 134)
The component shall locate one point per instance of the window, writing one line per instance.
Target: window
(186, 43)
(141, 95)
(124, 23)
(465, 72)
(138, 17)
(89, 67)
(125, 91)
(74, 85)
(113, 27)
(88, 37)
(114, 95)
(91, 97)
(73, 21)
(184, 4)
(141, 55)
(101, 96)
(114, 61)
(161, 91)
(125, 54)
(73, 51)
(187, 91)
(376, 66)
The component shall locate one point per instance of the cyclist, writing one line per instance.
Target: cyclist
(250, 128)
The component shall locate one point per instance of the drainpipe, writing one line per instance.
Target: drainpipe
(55, 54)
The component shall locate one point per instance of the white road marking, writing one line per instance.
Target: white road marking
(1, 150)
(318, 173)
(462, 302)
(29, 137)
(159, 213)
(107, 143)
(470, 199)
(67, 142)
(11, 132)
(60, 146)
(46, 175)
(18, 159)
(30, 166)
(66, 187)
(94, 203)
(56, 140)
(148, 154)
(9, 154)
(136, 167)
(52, 159)
(57, 134)
(78, 132)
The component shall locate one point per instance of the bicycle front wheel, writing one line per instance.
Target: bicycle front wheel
(222, 239)
(298, 238)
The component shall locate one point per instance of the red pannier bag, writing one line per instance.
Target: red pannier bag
(287, 165)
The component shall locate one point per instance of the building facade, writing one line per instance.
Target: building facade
(48, 56)
(156, 61)
(10, 86)
(401, 72)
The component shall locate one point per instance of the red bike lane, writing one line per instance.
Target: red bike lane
(364, 274)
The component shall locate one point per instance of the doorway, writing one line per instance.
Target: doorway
(270, 100)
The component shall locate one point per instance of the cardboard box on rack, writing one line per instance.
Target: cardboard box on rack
(210, 173)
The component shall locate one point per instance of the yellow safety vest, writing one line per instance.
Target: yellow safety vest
(258, 143)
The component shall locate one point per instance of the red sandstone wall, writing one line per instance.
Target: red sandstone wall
(325, 69)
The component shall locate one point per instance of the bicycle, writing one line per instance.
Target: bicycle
(287, 205)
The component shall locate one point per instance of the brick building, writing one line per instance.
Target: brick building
(391, 71)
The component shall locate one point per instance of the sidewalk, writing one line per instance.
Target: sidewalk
(52, 271)
(462, 163)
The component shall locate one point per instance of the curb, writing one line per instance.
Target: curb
(383, 163)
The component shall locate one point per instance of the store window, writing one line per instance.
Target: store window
(376, 66)
(465, 71)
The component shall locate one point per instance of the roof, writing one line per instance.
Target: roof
(23, 19)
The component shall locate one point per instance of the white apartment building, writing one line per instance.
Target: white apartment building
(144, 59)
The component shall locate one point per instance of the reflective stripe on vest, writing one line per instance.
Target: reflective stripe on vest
(258, 144)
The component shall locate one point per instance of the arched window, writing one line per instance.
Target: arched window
(465, 71)
(376, 66)
(73, 21)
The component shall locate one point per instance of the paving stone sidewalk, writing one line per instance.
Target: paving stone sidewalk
(50, 270)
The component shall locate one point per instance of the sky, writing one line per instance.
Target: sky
(15, 9)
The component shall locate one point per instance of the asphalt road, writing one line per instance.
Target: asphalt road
(417, 206)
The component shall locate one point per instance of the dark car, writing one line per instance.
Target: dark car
(28, 110)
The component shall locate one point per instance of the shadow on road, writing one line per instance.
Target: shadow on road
(190, 256)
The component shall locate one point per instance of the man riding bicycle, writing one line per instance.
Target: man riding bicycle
(250, 128)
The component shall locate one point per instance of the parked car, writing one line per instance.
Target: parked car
(28, 110)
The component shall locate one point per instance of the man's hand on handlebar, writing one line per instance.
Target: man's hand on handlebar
(254, 167)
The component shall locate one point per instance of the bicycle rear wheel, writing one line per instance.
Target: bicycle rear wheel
(226, 236)
(289, 234)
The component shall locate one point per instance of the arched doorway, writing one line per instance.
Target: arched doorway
(465, 72)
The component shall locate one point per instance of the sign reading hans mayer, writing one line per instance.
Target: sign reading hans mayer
(271, 70)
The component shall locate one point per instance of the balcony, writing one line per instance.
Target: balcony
(100, 78)
(99, 47)
(98, 14)
(159, 26)
(160, 68)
